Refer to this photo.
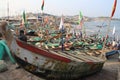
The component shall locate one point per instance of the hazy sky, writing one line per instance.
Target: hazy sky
(91, 8)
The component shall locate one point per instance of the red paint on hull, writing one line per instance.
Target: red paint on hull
(42, 52)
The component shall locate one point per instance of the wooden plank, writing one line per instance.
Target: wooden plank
(78, 57)
(70, 56)
(65, 55)
(96, 59)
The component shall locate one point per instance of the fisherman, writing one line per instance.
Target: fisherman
(22, 36)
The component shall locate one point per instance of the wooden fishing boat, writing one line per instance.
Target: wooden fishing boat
(110, 53)
(55, 64)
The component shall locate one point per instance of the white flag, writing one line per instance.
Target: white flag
(113, 31)
(61, 24)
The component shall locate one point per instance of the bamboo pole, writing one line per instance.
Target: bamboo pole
(8, 10)
(107, 32)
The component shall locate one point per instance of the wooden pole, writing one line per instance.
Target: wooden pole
(8, 10)
(107, 32)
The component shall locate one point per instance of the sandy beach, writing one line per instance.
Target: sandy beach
(109, 72)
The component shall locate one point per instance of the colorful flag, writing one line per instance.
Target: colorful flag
(61, 28)
(24, 20)
(80, 19)
(61, 24)
(42, 7)
(114, 8)
(113, 31)
(24, 17)
(80, 16)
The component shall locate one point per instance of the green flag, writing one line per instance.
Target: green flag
(24, 17)
(80, 17)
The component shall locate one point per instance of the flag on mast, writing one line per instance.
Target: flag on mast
(61, 28)
(24, 21)
(42, 7)
(113, 31)
(61, 23)
(80, 21)
(114, 8)
(24, 16)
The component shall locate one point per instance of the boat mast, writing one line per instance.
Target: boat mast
(112, 14)
(42, 14)
(107, 32)
(61, 28)
(8, 11)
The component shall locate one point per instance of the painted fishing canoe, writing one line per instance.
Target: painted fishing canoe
(55, 64)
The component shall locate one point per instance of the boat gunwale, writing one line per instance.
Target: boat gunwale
(40, 51)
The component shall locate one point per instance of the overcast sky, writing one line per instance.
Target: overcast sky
(91, 8)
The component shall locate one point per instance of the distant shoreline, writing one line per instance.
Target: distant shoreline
(67, 16)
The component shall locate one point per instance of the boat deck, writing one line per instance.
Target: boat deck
(77, 56)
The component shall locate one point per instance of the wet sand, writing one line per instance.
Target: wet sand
(109, 72)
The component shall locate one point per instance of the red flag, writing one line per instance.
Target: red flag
(114, 8)
(42, 7)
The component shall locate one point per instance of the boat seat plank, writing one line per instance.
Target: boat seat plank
(89, 57)
(64, 55)
(78, 57)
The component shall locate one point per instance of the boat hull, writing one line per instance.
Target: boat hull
(51, 65)
(55, 75)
